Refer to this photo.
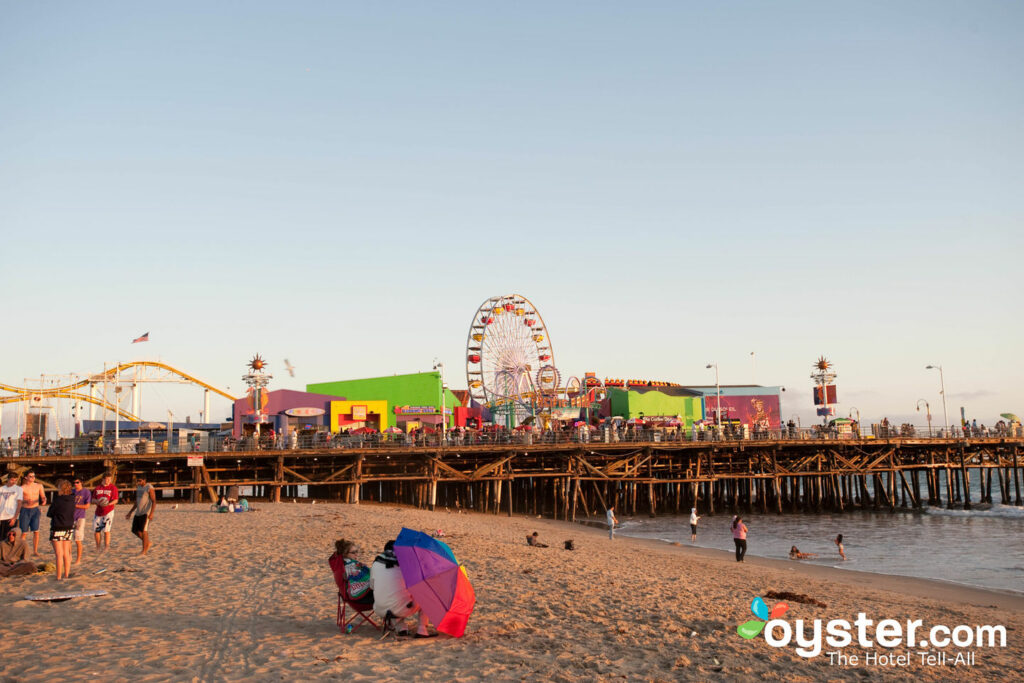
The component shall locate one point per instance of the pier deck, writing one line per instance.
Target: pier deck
(564, 479)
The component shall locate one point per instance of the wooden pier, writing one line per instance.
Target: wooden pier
(567, 480)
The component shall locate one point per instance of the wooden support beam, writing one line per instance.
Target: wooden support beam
(296, 474)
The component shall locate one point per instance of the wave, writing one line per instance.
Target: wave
(997, 510)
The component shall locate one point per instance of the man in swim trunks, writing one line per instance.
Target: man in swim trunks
(10, 504)
(143, 507)
(33, 498)
(105, 497)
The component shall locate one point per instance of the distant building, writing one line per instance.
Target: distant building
(411, 399)
(286, 410)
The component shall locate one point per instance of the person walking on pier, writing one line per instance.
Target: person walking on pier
(694, 518)
(34, 497)
(739, 537)
(143, 507)
(612, 521)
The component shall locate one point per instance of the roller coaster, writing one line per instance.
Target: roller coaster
(85, 390)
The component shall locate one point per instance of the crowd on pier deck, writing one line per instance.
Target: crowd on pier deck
(604, 431)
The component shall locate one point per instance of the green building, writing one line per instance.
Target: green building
(410, 397)
(656, 403)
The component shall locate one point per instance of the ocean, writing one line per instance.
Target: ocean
(981, 547)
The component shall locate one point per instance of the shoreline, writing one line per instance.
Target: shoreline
(960, 593)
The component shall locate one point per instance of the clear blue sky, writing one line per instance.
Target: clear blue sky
(341, 184)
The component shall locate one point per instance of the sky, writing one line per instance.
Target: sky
(672, 184)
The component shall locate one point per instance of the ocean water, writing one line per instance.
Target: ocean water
(977, 547)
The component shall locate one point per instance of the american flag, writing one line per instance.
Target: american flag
(143, 338)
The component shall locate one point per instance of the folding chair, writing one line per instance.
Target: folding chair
(349, 612)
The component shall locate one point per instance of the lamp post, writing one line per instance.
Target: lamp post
(942, 386)
(444, 431)
(928, 412)
(718, 391)
(850, 415)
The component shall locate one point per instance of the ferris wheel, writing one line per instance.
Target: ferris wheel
(509, 358)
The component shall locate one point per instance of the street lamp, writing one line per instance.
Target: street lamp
(928, 411)
(444, 430)
(718, 391)
(850, 415)
(942, 385)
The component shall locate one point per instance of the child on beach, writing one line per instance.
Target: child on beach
(795, 554)
(839, 544)
(533, 539)
(694, 518)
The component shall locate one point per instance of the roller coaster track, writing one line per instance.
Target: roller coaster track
(69, 391)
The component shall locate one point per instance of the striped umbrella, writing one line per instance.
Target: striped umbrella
(436, 580)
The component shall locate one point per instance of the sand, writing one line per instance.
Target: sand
(250, 596)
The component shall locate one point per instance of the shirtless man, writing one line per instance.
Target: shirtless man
(33, 497)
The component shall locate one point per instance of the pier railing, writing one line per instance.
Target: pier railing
(326, 441)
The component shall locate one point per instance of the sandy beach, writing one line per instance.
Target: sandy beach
(250, 596)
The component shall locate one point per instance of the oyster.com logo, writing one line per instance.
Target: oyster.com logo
(901, 642)
(752, 629)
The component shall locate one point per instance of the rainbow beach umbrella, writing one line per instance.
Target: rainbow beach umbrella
(436, 580)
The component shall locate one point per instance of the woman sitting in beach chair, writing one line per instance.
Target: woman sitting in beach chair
(353, 580)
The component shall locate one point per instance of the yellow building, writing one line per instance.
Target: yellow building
(347, 415)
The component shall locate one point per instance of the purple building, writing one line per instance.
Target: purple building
(286, 410)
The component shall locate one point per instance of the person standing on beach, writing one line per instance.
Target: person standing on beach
(10, 504)
(143, 507)
(82, 500)
(33, 497)
(694, 518)
(739, 537)
(105, 497)
(612, 521)
(62, 526)
(839, 544)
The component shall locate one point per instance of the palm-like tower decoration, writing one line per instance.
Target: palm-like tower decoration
(823, 377)
(257, 380)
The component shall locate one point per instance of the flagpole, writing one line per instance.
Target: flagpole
(117, 406)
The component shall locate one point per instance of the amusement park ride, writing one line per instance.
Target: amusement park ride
(510, 366)
(105, 390)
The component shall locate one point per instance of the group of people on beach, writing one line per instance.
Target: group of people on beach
(795, 554)
(739, 535)
(20, 513)
(380, 587)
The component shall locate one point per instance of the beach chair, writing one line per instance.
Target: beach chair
(350, 612)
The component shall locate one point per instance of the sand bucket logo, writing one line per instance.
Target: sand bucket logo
(751, 629)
